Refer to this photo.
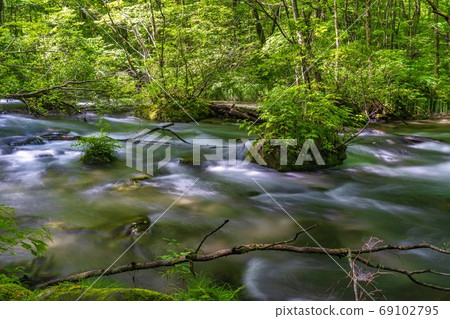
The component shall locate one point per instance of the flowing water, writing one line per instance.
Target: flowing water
(392, 187)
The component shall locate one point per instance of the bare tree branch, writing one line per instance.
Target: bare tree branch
(244, 249)
(440, 33)
(65, 86)
(209, 234)
(436, 11)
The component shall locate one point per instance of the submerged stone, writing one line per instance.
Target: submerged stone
(129, 227)
(136, 227)
(272, 158)
(126, 185)
(22, 140)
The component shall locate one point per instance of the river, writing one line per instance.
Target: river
(392, 187)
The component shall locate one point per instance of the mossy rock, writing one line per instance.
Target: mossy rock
(13, 292)
(126, 185)
(271, 155)
(165, 110)
(186, 161)
(140, 177)
(73, 292)
(132, 227)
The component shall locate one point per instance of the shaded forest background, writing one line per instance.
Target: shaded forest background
(363, 57)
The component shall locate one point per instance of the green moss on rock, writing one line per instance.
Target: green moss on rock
(271, 155)
(140, 177)
(12, 292)
(163, 109)
(127, 185)
(72, 292)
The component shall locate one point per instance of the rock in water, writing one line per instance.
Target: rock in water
(126, 185)
(22, 140)
(140, 177)
(133, 227)
(58, 135)
(137, 228)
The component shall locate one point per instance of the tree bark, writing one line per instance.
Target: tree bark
(368, 23)
(336, 33)
(436, 46)
(258, 26)
(303, 74)
(284, 246)
(2, 6)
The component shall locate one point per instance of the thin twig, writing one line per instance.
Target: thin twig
(295, 237)
(211, 233)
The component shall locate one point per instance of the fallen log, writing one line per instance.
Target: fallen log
(235, 110)
(356, 274)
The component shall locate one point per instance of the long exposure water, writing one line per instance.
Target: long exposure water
(392, 186)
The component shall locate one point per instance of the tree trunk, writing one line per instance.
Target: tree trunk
(436, 45)
(368, 23)
(301, 42)
(394, 18)
(336, 32)
(259, 28)
(1, 11)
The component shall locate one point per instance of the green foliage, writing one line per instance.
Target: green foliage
(142, 55)
(11, 278)
(203, 288)
(157, 107)
(100, 148)
(11, 235)
(302, 114)
(198, 286)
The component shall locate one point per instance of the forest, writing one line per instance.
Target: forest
(363, 84)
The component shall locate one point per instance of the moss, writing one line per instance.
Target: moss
(186, 161)
(271, 156)
(165, 110)
(11, 292)
(73, 292)
(140, 177)
(126, 185)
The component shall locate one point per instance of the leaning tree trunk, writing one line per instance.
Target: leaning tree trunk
(259, 28)
(301, 42)
(436, 45)
(336, 33)
(2, 6)
(368, 23)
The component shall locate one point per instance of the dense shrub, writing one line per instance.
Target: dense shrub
(97, 149)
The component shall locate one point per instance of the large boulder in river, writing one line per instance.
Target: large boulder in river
(57, 135)
(73, 292)
(313, 158)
